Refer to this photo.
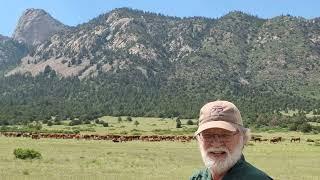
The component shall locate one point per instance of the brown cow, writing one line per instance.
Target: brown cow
(257, 139)
(309, 140)
(35, 136)
(295, 139)
(116, 140)
(275, 139)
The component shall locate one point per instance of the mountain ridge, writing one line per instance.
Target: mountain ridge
(130, 62)
(35, 26)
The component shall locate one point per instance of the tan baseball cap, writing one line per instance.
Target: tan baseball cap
(219, 114)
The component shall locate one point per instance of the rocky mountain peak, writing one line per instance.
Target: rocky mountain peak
(2, 38)
(35, 26)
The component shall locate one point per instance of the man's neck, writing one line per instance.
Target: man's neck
(216, 176)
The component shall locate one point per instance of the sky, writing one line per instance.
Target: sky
(74, 12)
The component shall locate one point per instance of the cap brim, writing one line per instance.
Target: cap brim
(216, 124)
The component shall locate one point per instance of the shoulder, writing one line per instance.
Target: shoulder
(251, 172)
(202, 174)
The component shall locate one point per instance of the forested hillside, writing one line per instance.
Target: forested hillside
(134, 63)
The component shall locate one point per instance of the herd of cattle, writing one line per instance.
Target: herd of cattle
(258, 138)
(114, 138)
(124, 138)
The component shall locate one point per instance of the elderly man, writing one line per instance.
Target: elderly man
(221, 137)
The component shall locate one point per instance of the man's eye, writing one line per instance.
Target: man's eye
(225, 135)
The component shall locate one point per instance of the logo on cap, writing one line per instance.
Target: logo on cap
(216, 110)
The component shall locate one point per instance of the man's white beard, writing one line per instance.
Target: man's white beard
(219, 166)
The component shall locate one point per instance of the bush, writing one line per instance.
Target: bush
(305, 127)
(26, 154)
(136, 123)
(293, 127)
(35, 125)
(105, 124)
(45, 121)
(50, 123)
(129, 118)
(87, 122)
(178, 125)
(75, 122)
(57, 122)
(76, 131)
(189, 122)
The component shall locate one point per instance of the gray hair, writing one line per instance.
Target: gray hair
(246, 132)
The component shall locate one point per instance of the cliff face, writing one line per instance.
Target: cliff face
(130, 62)
(2, 38)
(11, 52)
(246, 48)
(35, 26)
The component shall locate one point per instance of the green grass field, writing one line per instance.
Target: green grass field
(147, 126)
(73, 159)
(93, 159)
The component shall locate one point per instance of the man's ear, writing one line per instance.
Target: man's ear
(244, 138)
(197, 137)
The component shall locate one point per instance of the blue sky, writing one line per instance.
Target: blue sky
(73, 12)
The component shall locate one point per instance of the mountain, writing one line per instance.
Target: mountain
(11, 53)
(35, 26)
(130, 62)
(2, 38)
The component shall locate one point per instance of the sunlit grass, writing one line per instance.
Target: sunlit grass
(83, 159)
(147, 125)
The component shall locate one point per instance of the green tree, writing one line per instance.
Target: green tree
(129, 118)
(136, 123)
(305, 127)
(178, 125)
(190, 122)
(105, 124)
(293, 127)
(50, 123)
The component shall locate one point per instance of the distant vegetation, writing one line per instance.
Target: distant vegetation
(266, 67)
(21, 153)
(157, 126)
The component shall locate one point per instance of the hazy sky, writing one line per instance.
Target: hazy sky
(73, 12)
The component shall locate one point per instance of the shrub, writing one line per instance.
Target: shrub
(178, 125)
(189, 122)
(76, 131)
(136, 123)
(25, 172)
(50, 123)
(305, 127)
(26, 154)
(75, 122)
(293, 127)
(105, 124)
(87, 122)
(57, 122)
(129, 118)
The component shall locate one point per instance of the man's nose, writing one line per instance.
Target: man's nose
(215, 139)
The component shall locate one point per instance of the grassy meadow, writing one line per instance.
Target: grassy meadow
(147, 126)
(97, 159)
